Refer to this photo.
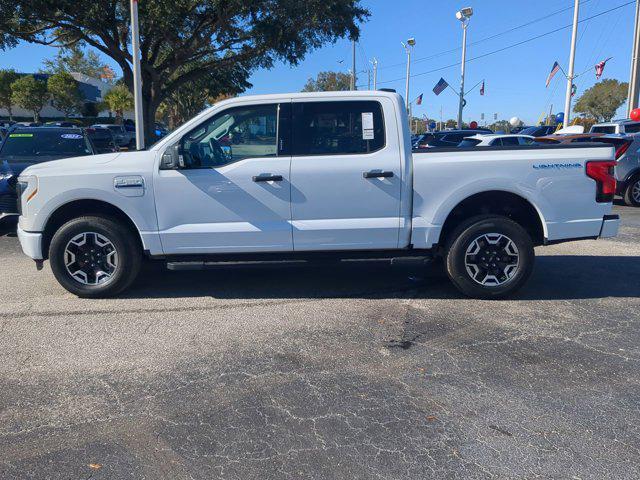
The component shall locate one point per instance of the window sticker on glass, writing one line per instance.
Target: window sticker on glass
(20, 135)
(367, 126)
(71, 136)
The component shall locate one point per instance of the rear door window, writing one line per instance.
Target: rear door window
(337, 128)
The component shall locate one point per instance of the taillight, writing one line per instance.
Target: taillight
(602, 173)
(622, 149)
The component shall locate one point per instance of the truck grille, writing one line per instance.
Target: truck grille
(8, 204)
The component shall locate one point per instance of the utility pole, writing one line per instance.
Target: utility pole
(632, 101)
(368, 79)
(375, 72)
(137, 80)
(464, 15)
(353, 64)
(572, 57)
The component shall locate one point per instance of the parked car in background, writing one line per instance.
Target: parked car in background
(27, 146)
(539, 131)
(421, 140)
(102, 140)
(65, 124)
(616, 126)
(519, 129)
(450, 138)
(497, 140)
(121, 135)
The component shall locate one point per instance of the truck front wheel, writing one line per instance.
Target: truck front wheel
(94, 257)
(489, 256)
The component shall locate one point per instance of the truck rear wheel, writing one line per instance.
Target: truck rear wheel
(94, 257)
(489, 256)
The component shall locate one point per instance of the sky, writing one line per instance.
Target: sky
(514, 77)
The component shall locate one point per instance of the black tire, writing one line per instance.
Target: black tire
(632, 192)
(508, 278)
(127, 259)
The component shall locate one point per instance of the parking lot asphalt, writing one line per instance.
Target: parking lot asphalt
(351, 372)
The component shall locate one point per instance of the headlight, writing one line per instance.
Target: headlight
(26, 188)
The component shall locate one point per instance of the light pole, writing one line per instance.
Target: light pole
(375, 73)
(572, 56)
(464, 15)
(407, 47)
(137, 80)
(635, 65)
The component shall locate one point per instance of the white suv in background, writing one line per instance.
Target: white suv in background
(497, 140)
(616, 126)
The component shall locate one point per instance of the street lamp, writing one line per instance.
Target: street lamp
(407, 47)
(464, 15)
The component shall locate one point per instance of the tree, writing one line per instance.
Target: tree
(30, 94)
(185, 40)
(74, 59)
(118, 100)
(328, 82)
(451, 123)
(7, 77)
(602, 100)
(65, 94)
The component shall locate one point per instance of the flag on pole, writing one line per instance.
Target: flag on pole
(482, 88)
(552, 73)
(600, 68)
(440, 86)
(419, 100)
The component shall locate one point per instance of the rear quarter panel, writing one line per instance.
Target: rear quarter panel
(552, 179)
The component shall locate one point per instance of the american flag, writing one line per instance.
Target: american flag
(440, 86)
(600, 68)
(552, 73)
(419, 100)
(482, 88)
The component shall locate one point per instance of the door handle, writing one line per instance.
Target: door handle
(267, 178)
(373, 174)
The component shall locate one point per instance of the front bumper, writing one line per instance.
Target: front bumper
(31, 243)
(610, 226)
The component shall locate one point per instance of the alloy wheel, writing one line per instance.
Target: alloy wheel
(492, 259)
(91, 258)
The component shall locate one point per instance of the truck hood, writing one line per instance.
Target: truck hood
(75, 164)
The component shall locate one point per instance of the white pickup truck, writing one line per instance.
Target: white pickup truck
(314, 175)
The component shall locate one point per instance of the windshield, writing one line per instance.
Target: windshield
(45, 143)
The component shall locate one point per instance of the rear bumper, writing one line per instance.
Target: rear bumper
(31, 244)
(610, 226)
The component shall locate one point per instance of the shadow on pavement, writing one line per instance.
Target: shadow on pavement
(8, 227)
(555, 277)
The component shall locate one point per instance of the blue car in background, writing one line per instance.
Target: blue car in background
(26, 146)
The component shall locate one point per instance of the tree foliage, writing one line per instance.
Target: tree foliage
(65, 93)
(183, 41)
(328, 82)
(31, 94)
(76, 59)
(118, 100)
(7, 77)
(602, 100)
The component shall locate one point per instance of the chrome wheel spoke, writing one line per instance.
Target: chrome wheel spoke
(91, 258)
(492, 259)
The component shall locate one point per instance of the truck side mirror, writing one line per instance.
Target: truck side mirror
(172, 158)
